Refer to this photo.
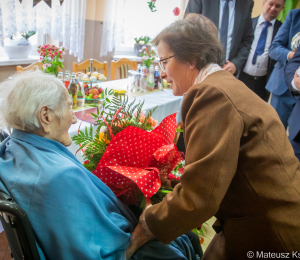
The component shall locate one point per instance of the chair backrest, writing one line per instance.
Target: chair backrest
(35, 65)
(95, 65)
(17, 229)
(123, 65)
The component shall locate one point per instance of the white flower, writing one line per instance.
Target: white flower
(144, 47)
(140, 50)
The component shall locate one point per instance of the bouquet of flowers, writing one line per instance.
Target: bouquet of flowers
(51, 58)
(133, 156)
(130, 156)
(148, 56)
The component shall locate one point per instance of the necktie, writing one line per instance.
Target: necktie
(260, 48)
(224, 26)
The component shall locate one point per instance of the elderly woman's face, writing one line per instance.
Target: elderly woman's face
(181, 76)
(61, 126)
(55, 128)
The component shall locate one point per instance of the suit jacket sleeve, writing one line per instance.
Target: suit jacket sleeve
(279, 48)
(213, 128)
(194, 6)
(245, 46)
(290, 70)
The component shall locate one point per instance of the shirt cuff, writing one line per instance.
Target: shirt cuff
(287, 57)
(294, 86)
(144, 223)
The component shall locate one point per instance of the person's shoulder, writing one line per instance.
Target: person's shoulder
(293, 13)
(217, 83)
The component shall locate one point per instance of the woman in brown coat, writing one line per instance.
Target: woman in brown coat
(240, 165)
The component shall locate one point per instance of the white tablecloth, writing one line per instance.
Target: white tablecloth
(165, 100)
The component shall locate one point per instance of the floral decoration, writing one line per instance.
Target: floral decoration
(152, 6)
(51, 58)
(148, 56)
(176, 11)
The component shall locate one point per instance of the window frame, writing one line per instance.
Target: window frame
(40, 41)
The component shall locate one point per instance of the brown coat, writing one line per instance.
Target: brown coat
(240, 167)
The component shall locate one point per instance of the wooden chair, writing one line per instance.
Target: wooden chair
(91, 65)
(35, 65)
(123, 65)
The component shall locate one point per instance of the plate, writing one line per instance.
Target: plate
(92, 99)
(97, 81)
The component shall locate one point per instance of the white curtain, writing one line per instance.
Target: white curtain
(65, 22)
(113, 25)
(134, 16)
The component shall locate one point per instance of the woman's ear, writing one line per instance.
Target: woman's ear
(192, 65)
(44, 117)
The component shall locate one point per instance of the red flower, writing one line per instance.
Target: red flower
(60, 52)
(176, 11)
(92, 155)
(181, 170)
(146, 49)
(86, 162)
(60, 56)
(55, 53)
(172, 176)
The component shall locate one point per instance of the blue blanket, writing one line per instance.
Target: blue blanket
(73, 214)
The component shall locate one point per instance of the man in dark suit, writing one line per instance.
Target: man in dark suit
(233, 19)
(280, 50)
(293, 82)
(259, 66)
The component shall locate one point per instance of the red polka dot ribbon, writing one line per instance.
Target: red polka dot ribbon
(138, 159)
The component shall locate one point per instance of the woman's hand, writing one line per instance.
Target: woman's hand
(138, 238)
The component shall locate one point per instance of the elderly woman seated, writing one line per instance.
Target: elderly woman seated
(73, 214)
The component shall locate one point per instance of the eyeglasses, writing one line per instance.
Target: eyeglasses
(162, 63)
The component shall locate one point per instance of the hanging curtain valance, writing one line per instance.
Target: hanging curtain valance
(63, 21)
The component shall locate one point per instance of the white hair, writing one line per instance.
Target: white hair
(22, 97)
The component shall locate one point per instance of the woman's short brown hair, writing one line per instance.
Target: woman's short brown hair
(193, 39)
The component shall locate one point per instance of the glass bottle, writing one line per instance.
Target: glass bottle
(150, 79)
(143, 82)
(139, 69)
(67, 80)
(156, 78)
(60, 76)
(73, 92)
(80, 94)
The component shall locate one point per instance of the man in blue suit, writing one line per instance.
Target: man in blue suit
(280, 50)
(293, 82)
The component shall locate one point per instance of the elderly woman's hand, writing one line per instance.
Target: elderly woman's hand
(138, 238)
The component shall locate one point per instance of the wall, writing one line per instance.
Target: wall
(257, 8)
(93, 35)
(92, 41)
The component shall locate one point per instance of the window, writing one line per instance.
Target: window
(140, 21)
(35, 41)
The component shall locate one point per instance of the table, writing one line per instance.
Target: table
(165, 100)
